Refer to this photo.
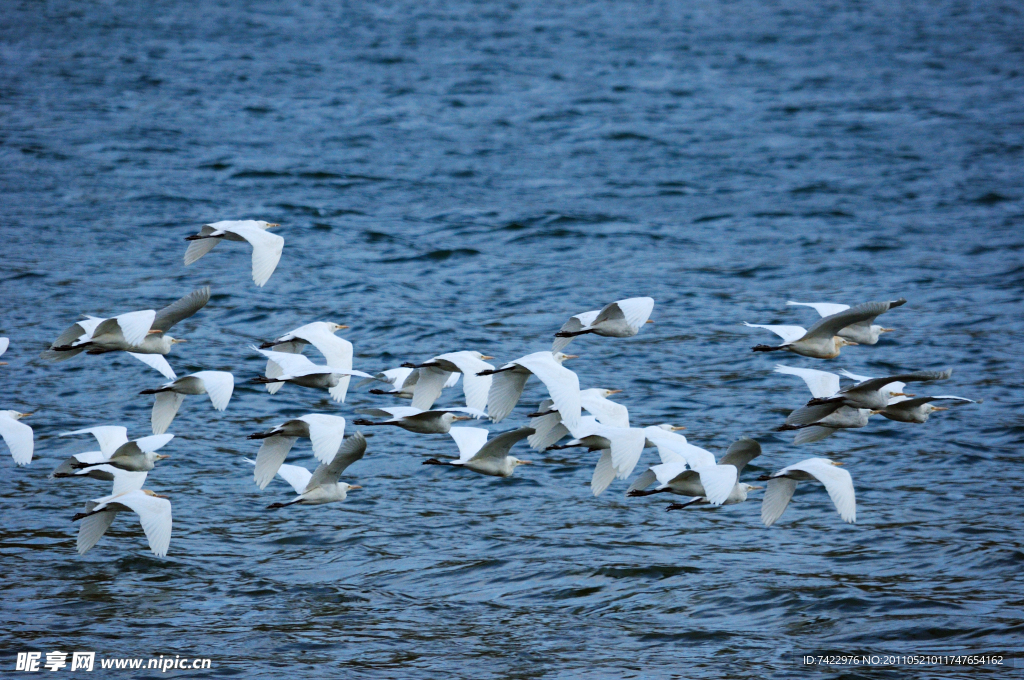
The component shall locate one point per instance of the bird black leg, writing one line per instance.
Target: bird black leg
(435, 461)
(645, 492)
(680, 506)
(496, 370)
(572, 334)
(767, 348)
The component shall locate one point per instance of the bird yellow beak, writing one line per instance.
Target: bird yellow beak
(756, 488)
(572, 356)
(161, 456)
(676, 428)
(887, 330)
(175, 341)
(940, 408)
(340, 326)
(650, 321)
(526, 462)
(25, 415)
(354, 486)
(484, 357)
(271, 225)
(836, 463)
(462, 418)
(610, 392)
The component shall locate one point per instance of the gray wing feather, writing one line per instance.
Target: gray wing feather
(181, 309)
(352, 449)
(740, 453)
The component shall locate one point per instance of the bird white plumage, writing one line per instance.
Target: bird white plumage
(17, 436)
(782, 484)
(266, 247)
(620, 319)
(563, 385)
(154, 513)
(219, 385)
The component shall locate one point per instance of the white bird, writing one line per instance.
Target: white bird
(482, 456)
(435, 374)
(322, 486)
(4, 344)
(298, 370)
(434, 421)
(324, 432)
(509, 380)
(218, 384)
(864, 332)
(870, 393)
(823, 385)
(154, 513)
(92, 463)
(692, 471)
(547, 421)
(403, 380)
(822, 340)
(917, 410)
(266, 247)
(622, 319)
(321, 334)
(139, 455)
(18, 436)
(782, 484)
(141, 334)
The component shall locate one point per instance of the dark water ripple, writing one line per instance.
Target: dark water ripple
(464, 175)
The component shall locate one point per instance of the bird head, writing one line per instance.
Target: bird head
(671, 428)
(266, 225)
(751, 487)
(153, 494)
(932, 409)
(843, 342)
(608, 393)
(175, 341)
(481, 357)
(516, 462)
(350, 487)
(560, 357)
(161, 456)
(886, 330)
(335, 327)
(19, 416)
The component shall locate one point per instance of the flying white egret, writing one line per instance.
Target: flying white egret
(622, 319)
(692, 471)
(324, 432)
(321, 334)
(266, 247)
(322, 486)
(435, 374)
(139, 455)
(823, 385)
(547, 421)
(18, 436)
(434, 421)
(486, 457)
(822, 340)
(917, 410)
(875, 393)
(110, 438)
(298, 370)
(4, 344)
(154, 513)
(142, 334)
(864, 332)
(782, 484)
(403, 380)
(218, 384)
(510, 379)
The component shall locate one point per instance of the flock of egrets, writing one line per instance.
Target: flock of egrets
(685, 469)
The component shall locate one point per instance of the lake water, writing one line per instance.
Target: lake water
(466, 175)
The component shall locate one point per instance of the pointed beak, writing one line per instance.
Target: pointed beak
(837, 463)
(572, 356)
(157, 495)
(898, 394)
(526, 462)
(940, 408)
(676, 428)
(353, 487)
(611, 392)
(25, 415)
(462, 418)
(272, 225)
(341, 326)
(161, 456)
(485, 357)
(877, 411)
(650, 321)
(887, 330)
(756, 488)
(175, 341)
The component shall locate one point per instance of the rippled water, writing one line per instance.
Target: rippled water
(466, 175)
